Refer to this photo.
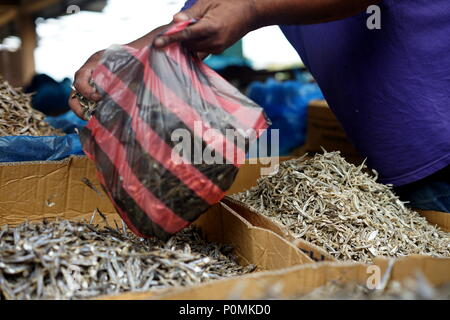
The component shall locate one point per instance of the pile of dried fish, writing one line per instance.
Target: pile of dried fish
(17, 117)
(339, 207)
(75, 260)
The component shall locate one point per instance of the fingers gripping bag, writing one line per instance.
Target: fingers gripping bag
(165, 138)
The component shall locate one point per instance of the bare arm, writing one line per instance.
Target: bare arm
(223, 22)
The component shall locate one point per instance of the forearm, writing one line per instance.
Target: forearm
(275, 12)
(148, 38)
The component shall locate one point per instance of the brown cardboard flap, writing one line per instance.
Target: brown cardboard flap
(303, 279)
(324, 130)
(253, 245)
(441, 219)
(38, 190)
(314, 252)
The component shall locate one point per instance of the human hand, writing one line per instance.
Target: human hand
(220, 24)
(83, 85)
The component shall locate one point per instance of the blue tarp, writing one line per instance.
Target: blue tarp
(286, 105)
(66, 122)
(25, 148)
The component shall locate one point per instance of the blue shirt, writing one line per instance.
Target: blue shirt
(389, 88)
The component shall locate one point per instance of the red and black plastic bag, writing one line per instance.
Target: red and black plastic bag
(161, 109)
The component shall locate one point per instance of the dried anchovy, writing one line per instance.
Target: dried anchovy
(341, 208)
(76, 260)
(87, 105)
(17, 117)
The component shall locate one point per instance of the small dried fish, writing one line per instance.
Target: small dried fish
(87, 105)
(76, 260)
(90, 185)
(341, 208)
(17, 117)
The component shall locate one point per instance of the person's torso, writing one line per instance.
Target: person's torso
(390, 88)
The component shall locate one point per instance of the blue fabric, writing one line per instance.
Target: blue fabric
(67, 122)
(219, 63)
(285, 103)
(432, 193)
(49, 96)
(389, 88)
(188, 4)
(25, 148)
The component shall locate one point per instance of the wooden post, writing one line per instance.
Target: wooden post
(27, 33)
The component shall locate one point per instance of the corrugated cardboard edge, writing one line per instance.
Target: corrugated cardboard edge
(259, 246)
(257, 219)
(300, 280)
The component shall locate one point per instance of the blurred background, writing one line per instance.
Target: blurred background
(44, 42)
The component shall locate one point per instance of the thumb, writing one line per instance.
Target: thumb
(194, 12)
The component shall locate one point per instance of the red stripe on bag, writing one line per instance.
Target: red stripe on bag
(170, 100)
(249, 117)
(252, 118)
(148, 202)
(156, 147)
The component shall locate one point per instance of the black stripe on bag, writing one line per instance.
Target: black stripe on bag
(215, 115)
(175, 195)
(171, 80)
(126, 203)
(160, 119)
(204, 79)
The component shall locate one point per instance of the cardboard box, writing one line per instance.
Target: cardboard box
(33, 191)
(50, 190)
(324, 130)
(252, 245)
(314, 252)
